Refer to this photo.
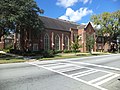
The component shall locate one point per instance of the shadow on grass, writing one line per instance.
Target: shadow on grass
(83, 55)
(8, 57)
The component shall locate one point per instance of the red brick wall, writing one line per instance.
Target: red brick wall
(1, 45)
(89, 29)
(62, 33)
(55, 32)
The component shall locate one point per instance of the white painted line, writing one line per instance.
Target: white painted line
(69, 69)
(53, 64)
(97, 79)
(81, 72)
(108, 79)
(93, 85)
(86, 73)
(113, 68)
(55, 67)
(74, 63)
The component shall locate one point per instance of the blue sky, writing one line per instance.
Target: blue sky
(77, 10)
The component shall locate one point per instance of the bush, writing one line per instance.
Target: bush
(67, 51)
(42, 53)
(76, 51)
(47, 54)
(58, 51)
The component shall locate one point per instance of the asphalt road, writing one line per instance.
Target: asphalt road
(89, 73)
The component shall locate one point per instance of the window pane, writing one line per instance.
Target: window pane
(57, 43)
(46, 42)
(66, 43)
(35, 47)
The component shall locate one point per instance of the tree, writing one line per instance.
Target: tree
(109, 24)
(19, 16)
(90, 41)
(75, 45)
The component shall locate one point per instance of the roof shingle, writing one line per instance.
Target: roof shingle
(58, 24)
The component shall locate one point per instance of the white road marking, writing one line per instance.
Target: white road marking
(69, 69)
(87, 67)
(118, 69)
(96, 86)
(53, 64)
(108, 79)
(97, 79)
(65, 65)
(95, 82)
(81, 72)
(86, 73)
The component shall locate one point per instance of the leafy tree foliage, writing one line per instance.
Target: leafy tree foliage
(75, 45)
(90, 41)
(109, 22)
(19, 16)
(109, 25)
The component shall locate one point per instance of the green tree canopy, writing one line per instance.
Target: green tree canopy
(19, 15)
(109, 22)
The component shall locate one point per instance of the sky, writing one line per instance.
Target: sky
(78, 11)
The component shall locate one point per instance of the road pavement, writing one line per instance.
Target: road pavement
(88, 73)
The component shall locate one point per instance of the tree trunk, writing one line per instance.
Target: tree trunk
(15, 40)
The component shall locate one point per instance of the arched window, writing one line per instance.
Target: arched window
(57, 42)
(46, 42)
(66, 42)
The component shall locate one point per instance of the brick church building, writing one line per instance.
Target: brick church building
(58, 35)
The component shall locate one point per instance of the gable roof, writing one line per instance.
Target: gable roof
(58, 24)
(90, 25)
(82, 26)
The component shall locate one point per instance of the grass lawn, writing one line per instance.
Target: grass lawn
(12, 59)
(72, 55)
(9, 59)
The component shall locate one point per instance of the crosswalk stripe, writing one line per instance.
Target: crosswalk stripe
(97, 79)
(86, 73)
(69, 69)
(71, 77)
(52, 65)
(65, 65)
(108, 79)
(70, 66)
(81, 72)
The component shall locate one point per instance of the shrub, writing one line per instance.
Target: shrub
(48, 54)
(67, 51)
(58, 51)
(76, 51)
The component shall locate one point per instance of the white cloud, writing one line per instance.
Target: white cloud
(86, 1)
(64, 17)
(75, 16)
(68, 3)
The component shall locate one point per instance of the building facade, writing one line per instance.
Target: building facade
(58, 35)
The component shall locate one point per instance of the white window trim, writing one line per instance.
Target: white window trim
(59, 40)
(68, 41)
(48, 41)
(35, 49)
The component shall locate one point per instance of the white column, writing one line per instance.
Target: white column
(62, 41)
(52, 40)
